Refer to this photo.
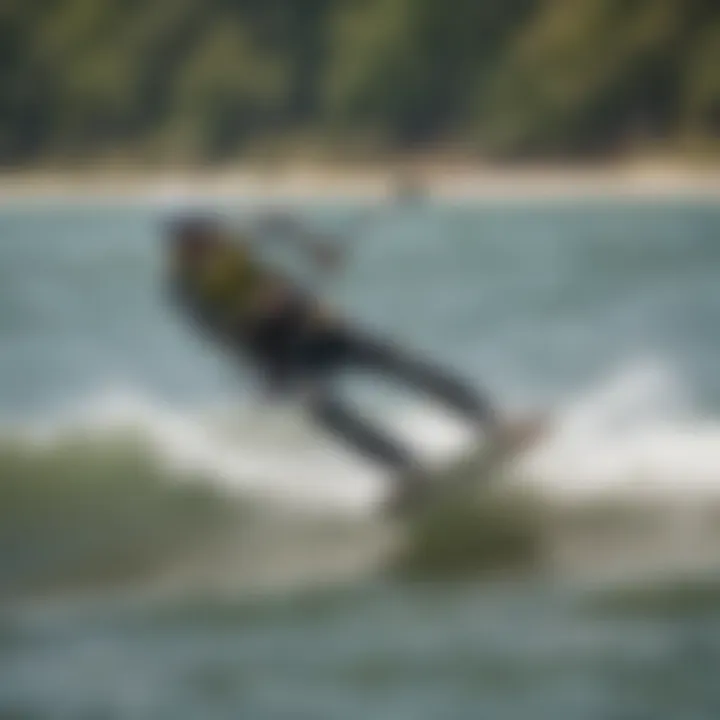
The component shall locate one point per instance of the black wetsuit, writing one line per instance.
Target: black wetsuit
(291, 350)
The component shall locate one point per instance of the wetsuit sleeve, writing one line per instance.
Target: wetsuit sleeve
(284, 240)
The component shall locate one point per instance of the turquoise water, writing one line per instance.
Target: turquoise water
(413, 652)
(142, 482)
(547, 297)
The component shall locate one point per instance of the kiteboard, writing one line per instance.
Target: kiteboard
(484, 461)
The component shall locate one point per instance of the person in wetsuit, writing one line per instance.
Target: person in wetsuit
(287, 336)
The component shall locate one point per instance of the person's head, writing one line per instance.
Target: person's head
(191, 236)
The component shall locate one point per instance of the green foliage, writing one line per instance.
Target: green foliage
(209, 80)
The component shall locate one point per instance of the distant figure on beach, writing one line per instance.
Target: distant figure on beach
(410, 188)
(222, 280)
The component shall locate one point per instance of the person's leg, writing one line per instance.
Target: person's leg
(355, 432)
(388, 359)
(290, 351)
(409, 484)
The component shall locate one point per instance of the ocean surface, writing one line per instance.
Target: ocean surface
(172, 546)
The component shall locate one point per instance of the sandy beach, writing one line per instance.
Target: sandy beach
(446, 182)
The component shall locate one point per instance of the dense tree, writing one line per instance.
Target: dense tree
(210, 80)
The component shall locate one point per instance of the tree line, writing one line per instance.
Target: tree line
(203, 81)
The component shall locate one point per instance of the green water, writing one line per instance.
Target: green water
(379, 651)
(147, 571)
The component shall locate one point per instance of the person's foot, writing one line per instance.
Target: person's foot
(516, 435)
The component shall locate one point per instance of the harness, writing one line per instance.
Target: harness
(227, 281)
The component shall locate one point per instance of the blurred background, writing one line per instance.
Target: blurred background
(185, 81)
(171, 546)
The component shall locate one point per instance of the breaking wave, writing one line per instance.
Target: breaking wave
(124, 487)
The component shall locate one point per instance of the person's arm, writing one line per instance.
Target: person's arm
(279, 227)
(329, 252)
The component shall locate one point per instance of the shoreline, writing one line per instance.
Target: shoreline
(462, 183)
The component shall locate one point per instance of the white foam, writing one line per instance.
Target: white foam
(635, 433)
(264, 452)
